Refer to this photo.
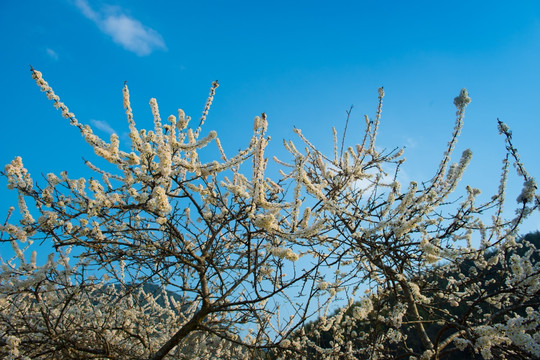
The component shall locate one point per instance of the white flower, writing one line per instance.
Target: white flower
(461, 344)
(361, 312)
(527, 194)
(160, 201)
(463, 99)
(265, 221)
(323, 285)
(284, 253)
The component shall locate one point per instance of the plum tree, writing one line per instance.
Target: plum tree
(241, 262)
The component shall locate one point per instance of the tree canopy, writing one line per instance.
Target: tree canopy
(176, 257)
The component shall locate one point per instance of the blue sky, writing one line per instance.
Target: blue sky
(303, 63)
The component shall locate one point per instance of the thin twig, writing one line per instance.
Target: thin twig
(345, 130)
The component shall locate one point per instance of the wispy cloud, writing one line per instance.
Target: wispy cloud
(126, 31)
(103, 126)
(52, 54)
(410, 143)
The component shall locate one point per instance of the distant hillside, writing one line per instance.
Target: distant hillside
(495, 275)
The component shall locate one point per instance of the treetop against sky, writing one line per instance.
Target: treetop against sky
(303, 64)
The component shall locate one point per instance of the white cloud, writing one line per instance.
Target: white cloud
(132, 35)
(103, 126)
(87, 10)
(52, 54)
(129, 33)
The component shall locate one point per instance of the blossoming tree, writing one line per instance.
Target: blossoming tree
(181, 258)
